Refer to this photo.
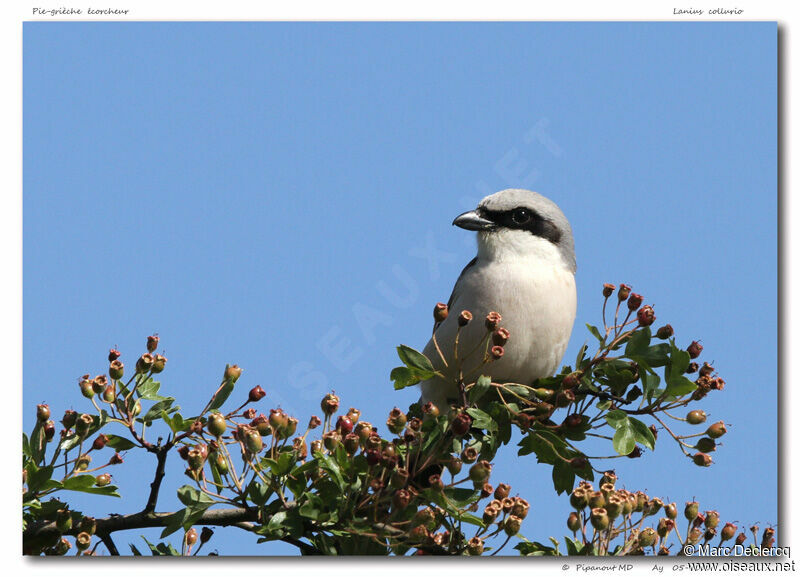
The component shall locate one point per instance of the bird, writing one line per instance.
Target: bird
(525, 271)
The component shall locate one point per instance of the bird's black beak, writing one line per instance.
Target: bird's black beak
(473, 221)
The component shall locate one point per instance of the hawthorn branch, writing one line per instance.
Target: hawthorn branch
(155, 486)
(109, 543)
(604, 395)
(231, 517)
(143, 520)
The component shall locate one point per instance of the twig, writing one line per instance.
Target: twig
(152, 499)
(109, 543)
(108, 525)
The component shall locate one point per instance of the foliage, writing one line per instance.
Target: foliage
(341, 487)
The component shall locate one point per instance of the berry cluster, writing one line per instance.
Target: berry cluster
(611, 521)
(420, 482)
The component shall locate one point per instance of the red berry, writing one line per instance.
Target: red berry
(461, 424)
(256, 394)
(99, 442)
(500, 336)
(152, 343)
(344, 425)
(440, 312)
(646, 316)
(665, 332)
(42, 412)
(694, 349)
(493, 321)
(373, 457)
(232, 373)
(696, 417)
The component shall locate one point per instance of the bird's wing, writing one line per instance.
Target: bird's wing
(455, 292)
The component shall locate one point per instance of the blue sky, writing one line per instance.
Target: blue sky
(280, 196)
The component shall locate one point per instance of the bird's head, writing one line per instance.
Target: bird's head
(517, 223)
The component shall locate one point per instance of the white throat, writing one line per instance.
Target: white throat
(507, 244)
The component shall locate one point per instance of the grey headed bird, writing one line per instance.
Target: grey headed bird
(524, 270)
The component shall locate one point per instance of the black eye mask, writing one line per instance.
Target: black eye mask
(523, 218)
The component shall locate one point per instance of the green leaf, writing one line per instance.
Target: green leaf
(162, 549)
(196, 504)
(574, 547)
(332, 467)
(259, 492)
(587, 382)
(177, 423)
(532, 443)
(155, 412)
(166, 549)
(415, 360)
(26, 446)
(293, 524)
(678, 360)
(69, 443)
(417, 368)
(194, 498)
(148, 390)
(638, 342)
(678, 386)
(579, 360)
(655, 356)
(616, 418)
(215, 474)
(650, 381)
(547, 446)
(585, 472)
(480, 388)
(79, 482)
(593, 329)
(222, 396)
(501, 416)
(276, 521)
(119, 443)
(461, 497)
(644, 436)
(403, 377)
(624, 439)
(311, 508)
(173, 522)
(578, 433)
(481, 420)
(38, 477)
(535, 549)
(519, 390)
(37, 443)
(85, 484)
(563, 477)
(468, 518)
(282, 465)
(152, 547)
(452, 508)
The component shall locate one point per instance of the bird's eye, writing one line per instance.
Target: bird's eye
(521, 215)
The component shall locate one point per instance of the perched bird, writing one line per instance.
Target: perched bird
(524, 270)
